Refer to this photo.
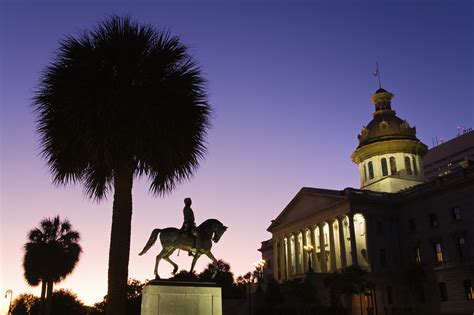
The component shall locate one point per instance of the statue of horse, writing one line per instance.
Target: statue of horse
(171, 239)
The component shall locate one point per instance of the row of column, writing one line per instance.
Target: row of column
(333, 246)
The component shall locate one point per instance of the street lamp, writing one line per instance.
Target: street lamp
(10, 305)
(259, 264)
(309, 248)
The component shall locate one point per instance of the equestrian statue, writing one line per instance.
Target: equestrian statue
(195, 240)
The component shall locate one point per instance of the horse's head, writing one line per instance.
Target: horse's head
(221, 228)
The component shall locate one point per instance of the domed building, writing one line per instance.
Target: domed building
(389, 153)
(395, 223)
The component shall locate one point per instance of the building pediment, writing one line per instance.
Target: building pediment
(307, 201)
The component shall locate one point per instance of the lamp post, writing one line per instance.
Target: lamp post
(309, 248)
(249, 282)
(10, 305)
(259, 265)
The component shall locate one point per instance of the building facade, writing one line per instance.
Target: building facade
(395, 222)
(449, 156)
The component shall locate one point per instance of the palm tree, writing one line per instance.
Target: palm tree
(51, 254)
(120, 101)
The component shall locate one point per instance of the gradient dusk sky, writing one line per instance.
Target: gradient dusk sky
(289, 83)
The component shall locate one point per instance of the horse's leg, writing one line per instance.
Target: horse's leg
(196, 257)
(214, 262)
(167, 258)
(161, 255)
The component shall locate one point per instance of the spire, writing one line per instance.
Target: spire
(377, 73)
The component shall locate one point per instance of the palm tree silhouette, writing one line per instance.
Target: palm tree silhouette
(51, 254)
(121, 101)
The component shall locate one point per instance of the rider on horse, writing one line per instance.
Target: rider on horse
(189, 225)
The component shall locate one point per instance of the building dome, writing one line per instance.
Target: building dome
(386, 126)
(389, 153)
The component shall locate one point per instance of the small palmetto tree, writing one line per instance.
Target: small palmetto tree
(51, 253)
(121, 101)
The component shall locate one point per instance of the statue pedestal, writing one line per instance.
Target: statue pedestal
(162, 297)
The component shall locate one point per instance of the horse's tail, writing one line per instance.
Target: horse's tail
(151, 241)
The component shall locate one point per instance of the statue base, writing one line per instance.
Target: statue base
(163, 297)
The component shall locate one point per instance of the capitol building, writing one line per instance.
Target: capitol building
(397, 219)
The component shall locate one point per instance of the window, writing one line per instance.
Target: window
(417, 255)
(379, 227)
(393, 165)
(456, 213)
(438, 253)
(384, 167)
(383, 257)
(408, 165)
(390, 294)
(412, 225)
(371, 170)
(462, 247)
(365, 172)
(433, 220)
(415, 167)
(442, 292)
(469, 290)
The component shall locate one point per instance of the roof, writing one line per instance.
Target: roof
(458, 146)
(297, 208)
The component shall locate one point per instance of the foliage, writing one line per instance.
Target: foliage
(273, 292)
(24, 303)
(184, 275)
(134, 299)
(300, 289)
(119, 101)
(245, 279)
(64, 301)
(52, 251)
(223, 278)
(50, 255)
(346, 282)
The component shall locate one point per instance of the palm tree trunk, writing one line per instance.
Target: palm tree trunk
(120, 242)
(43, 294)
(49, 297)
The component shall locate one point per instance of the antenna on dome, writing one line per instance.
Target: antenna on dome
(377, 73)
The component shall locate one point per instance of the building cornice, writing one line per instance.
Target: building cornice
(389, 147)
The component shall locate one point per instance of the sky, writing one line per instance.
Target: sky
(290, 85)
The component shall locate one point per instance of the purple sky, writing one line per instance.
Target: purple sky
(290, 86)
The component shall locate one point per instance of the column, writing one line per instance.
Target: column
(313, 242)
(353, 239)
(332, 247)
(282, 259)
(342, 243)
(324, 265)
(285, 249)
(304, 264)
(275, 259)
(297, 253)
(289, 256)
(276, 270)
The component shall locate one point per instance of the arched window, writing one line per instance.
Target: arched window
(384, 167)
(393, 165)
(408, 165)
(365, 172)
(415, 167)
(371, 170)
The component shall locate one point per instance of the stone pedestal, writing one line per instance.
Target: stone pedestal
(161, 297)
